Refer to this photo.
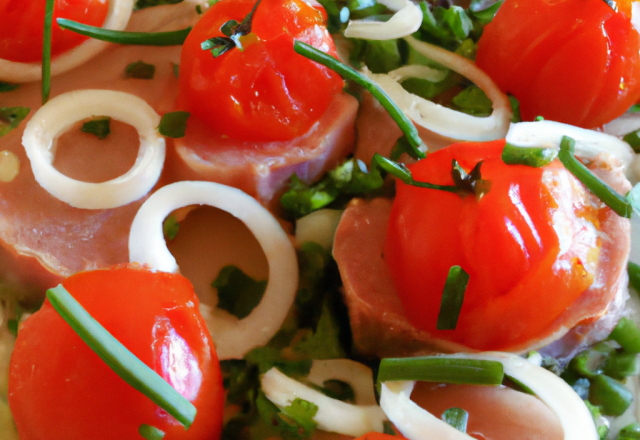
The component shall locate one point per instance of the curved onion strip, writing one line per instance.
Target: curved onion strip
(589, 143)
(60, 113)
(635, 15)
(413, 422)
(319, 226)
(233, 337)
(623, 125)
(406, 20)
(442, 120)
(417, 71)
(354, 373)
(333, 415)
(117, 19)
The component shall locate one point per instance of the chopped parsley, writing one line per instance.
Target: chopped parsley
(11, 117)
(140, 70)
(142, 4)
(238, 293)
(99, 127)
(174, 124)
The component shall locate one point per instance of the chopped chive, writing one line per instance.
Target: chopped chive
(140, 70)
(405, 124)
(387, 428)
(199, 10)
(530, 156)
(456, 417)
(539, 118)
(170, 227)
(12, 325)
(442, 369)
(7, 87)
(589, 363)
(627, 334)
(634, 276)
(630, 432)
(621, 365)
(452, 298)
(619, 204)
(46, 50)
(143, 4)
(119, 359)
(633, 197)
(174, 38)
(633, 139)
(99, 127)
(400, 171)
(635, 108)
(176, 69)
(610, 395)
(519, 385)
(174, 124)
(11, 117)
(150, 432)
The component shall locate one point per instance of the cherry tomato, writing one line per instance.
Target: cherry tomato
(60, 389)
(520, 278)
(266, 91)
(572, 61)
(23, 26)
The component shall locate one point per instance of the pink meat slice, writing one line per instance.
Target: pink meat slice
(381, 328)
(262, 169)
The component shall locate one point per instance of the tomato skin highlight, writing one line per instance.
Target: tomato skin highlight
(23, 26)
(572, 61)
(521, 279)
(266, 92)
(60, 389)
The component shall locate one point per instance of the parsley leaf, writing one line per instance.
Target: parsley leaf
(238, 293)
(11, 117)
(473, 101)
(140, 70)
(296, 420)
(100, 127)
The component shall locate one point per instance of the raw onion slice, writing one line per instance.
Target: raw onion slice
(623, 125)
(415, 423)
(406, 20)
(417, 71)
(333, 415)
(445, 121)
(117, 19)
(233, 337)
(60, 113)
(319, 227)
(589, 143)
(357, 375)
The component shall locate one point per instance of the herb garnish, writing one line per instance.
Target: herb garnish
(173, 38)
(46, 50)
(7, 87)
(150, 432)
(174, 124)
(140, 70)
(238, 293)
(456, 417)
(232, 31)
(142, 4)
(99, 127)
(452, 298)
(11, 117)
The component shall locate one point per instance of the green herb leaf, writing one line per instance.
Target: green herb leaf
(6, 87)
(140, 70)
(635, 108)
(325, 342)
(238, 293)
(46, 50)
(11, 117)
(473, 101)
(296, 420)
(150, 432)
(403, 173)
(174, 124)
(515, 108)
(458, 21)
(529, 156)
(170, 227)
(634, 276)
(471, 182)
(633, 139)
(456, 417)
(452, 298)
(99, 127)
(119, 359)
(173, 38)
(484, 16)
(337, 389)
(382, 56)
(611, 396)
(142, 4)
(619, 204)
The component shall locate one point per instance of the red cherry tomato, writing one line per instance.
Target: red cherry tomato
(520, 280)
(573, 61)
(266, 91)
(23, 26)
(60, 389)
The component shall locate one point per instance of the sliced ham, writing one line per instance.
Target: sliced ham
(381, 328)
(262, 169)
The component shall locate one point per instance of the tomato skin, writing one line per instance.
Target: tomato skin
(506, 241)
(23, 26)
(266, 92)
(60, 389)
(572, 61)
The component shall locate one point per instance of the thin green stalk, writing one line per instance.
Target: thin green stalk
(174, 38)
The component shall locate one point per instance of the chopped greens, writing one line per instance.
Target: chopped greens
(452, 298)
(296, 420)
(456, 417)
(142, 4)
(7, 87)
(11, 117)
(170, 227)
(150, 432)
(473, 101)
(634, 276)
(140, 70)
(46, 50)
(337, 389)
(238, 293)
(174, 124)
(99, 127)
(173, 38)
(611, 396)
(530, 156)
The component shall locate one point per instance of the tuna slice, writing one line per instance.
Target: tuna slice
(262, 169)
(381, 328)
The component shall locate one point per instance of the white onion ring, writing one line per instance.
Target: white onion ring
(357, 375)
(233, 337)
(116, 19)
(442, 120)
(333, 415)
(60, 113)
(406, 20)
(415, 423)
(417, 71)
(589, 143)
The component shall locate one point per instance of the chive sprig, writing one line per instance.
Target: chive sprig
(173, 38)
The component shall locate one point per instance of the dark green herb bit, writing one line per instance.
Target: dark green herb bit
(142, 4)
(530, 156)
(473, 101)
(176, 69)
(150, 432)
(442, 369)
(11, 117)
(630, 432)
(6, 87)
(238, 293)
(515, 108)
(140, 70)
(174, 124)
(484, 16)
(119, 359)
(46, 50)
(622, 365)
(199, 10)
(634, 276)
(173, 38)
(387, 428)
(337, 389)
(232, 31)
(627, 334)
(610, 395)
(452, 298)
(382, 56)
(170, 227)
(100, 127)
(619, 204)
(635, 108)
(297, 419)
(589, 363)
(633, 139)
(456, 417)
